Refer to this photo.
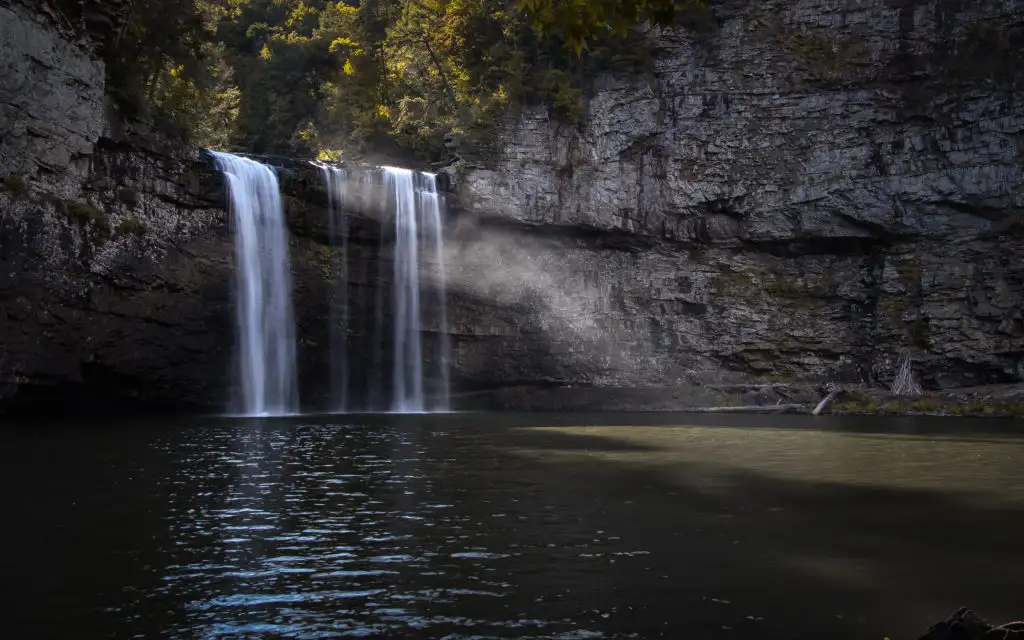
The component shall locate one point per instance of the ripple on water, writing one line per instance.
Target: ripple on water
(328, 533)
(258, 599)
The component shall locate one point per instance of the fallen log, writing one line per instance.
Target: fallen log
(825, 402)
(748, 387)
(775, 408)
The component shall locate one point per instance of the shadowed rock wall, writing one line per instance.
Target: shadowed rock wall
(804, 193)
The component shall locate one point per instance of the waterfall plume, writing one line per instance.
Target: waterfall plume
(264, 315)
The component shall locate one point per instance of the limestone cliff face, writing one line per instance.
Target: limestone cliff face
(806, 192)
(115, 260)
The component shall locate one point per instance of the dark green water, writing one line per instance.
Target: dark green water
(569, 526)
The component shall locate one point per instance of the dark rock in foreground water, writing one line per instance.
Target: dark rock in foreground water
(967, 625)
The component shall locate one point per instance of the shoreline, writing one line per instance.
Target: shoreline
(990, 401)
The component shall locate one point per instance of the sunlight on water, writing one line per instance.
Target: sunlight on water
(477, 526)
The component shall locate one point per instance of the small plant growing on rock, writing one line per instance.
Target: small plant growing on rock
(131, 226)
(783, 287)
(128, 196)
(831, 59)
(83, 211)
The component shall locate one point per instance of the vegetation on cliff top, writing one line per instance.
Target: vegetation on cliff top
(326, 77)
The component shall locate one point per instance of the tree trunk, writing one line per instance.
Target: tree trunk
(440, 70)
(777, 408)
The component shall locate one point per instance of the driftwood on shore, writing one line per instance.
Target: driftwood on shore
(833, 391)
(749, 387)
(773, 408)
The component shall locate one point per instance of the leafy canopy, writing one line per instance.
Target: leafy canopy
(580, 22)
(348, 77)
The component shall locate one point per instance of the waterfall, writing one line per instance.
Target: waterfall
(418, 251)
(431, 204)
(410, 295)
(336, 182)
(266, 328)
(407, 343)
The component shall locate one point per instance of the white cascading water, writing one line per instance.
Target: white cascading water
(336, 182)
(407, 344)
(266, 327)
(431, 203)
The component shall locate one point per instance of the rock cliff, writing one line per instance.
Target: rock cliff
(804, 192)
(114, 263)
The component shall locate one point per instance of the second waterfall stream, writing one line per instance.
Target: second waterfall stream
(414, 285)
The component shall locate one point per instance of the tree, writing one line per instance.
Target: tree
(579, 22)
(320, 76)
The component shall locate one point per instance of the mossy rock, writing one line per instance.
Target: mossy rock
(831, 59)
(191, 182)
(911, 271)
(14, 184)
(894, 309)
(782, 287)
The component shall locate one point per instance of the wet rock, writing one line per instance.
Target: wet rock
(967, 625)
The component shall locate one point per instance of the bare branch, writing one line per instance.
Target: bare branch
(905, 384)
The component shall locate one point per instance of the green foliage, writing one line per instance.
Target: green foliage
(83, 211)
(160, 50)
(87, 214)
(322, 77)
(581, 22)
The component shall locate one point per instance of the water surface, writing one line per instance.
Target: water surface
(458, 526)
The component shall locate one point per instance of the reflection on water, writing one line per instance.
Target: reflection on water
(470, 526)
(323, 530)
